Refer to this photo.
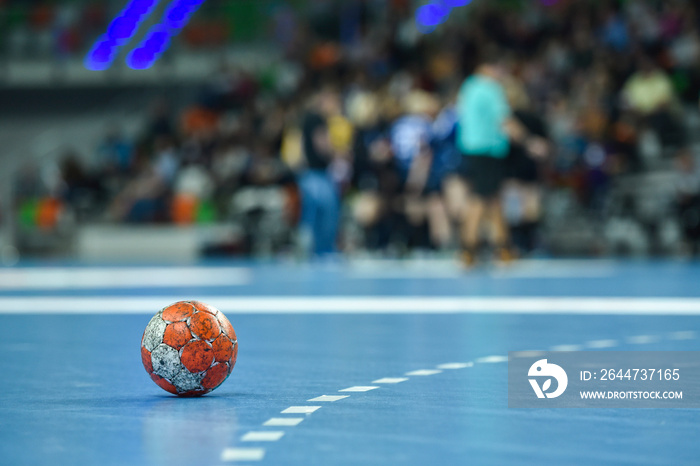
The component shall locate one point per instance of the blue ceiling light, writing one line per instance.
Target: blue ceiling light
(140, 59)
(180, 12)
(119, 32)
(101, 55)
(455, 3)
(122, 29)
(157, 40)
(149, 50)
(435, 13)
(431, 14)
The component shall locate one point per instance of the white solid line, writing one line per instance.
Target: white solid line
(642, 339)
(601, 343)
(357, 305)
(441, 269)
(492, 359)
(423, 372)
(528, 353)
(283, 421)
(391, 380)
(242, 454)
(455, 365)
(683, 335)
(300, 409)
(329, 398)
(566, 348)
(83, 278)
(358, 388)
(263, 436)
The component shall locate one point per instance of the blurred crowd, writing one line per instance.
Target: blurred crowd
(352, 142)
(66, 29)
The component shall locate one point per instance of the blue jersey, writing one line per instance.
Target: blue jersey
(408, 135)
(446, 157)
(444, 140)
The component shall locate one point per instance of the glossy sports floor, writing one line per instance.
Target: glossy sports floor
(421, 345)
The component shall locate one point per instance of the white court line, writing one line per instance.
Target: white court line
(329, 398)
(455, 365)
(391, 380)
(81, 278)
(642, 339)
(423, 372)
(492, 359)
(528, 353)
(357, 305)
(441, 269)
(242, 454)
(300, 409)
(601, 343)
(263, 436)
(684, 335)
(358, 388)
(566, 348)
(283, 421)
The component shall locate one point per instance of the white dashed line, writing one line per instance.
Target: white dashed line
(528, 353)
(300, 409)
(329, 398)
(263, 436)
(686, 335)
(601, 344)
(242, 454)
(492, 359)
(283, 421)
(567, 348)
(391, 380)
(358, 388)
(257, 454)
(455, 365)
(423, 372)
(642, 339)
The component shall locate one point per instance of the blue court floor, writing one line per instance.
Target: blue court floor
(432, 341)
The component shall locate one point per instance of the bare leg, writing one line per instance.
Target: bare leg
(472, 219)
(499, 230)
(455, 193)
(438, 221)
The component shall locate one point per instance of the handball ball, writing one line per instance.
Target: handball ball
(189, 348)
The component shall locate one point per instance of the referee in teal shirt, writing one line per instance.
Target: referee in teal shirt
(482, 138)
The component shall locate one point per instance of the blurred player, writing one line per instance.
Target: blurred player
(320, 200)
(528, 149)
(411, 137)
(484, 117)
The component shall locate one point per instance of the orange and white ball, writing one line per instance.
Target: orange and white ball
(189, 348)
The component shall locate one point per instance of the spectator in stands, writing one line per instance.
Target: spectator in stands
(649, 92)
(159, 121)
(320, 200)
(145, 197)
(115, 153)
(80, 189)
(167, 160)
